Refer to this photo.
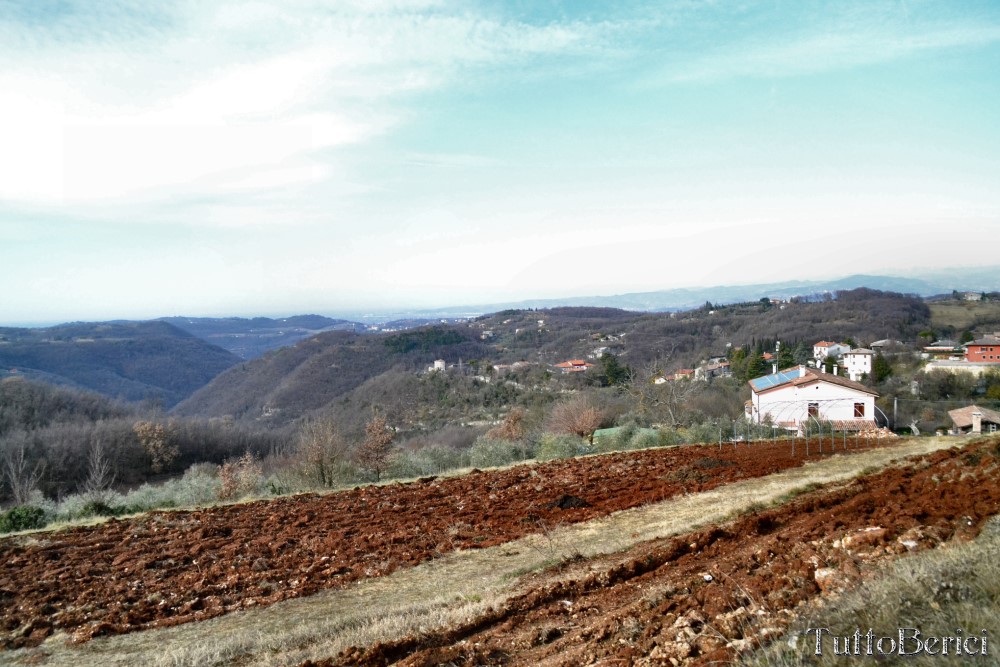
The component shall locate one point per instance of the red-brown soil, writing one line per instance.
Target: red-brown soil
(166, 568)
(702, 598)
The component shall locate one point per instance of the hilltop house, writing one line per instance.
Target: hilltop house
(794, 397)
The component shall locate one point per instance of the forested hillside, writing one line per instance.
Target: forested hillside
(348, 374)
(682, 339)
(52, 437)
(134, 361)
(288, 383)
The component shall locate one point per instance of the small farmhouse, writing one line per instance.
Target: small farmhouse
(794, 397)
(974, 419)
(574, 366)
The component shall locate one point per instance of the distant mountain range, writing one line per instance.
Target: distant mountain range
(978, 279)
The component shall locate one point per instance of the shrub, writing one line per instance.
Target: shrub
(240, 478)
(704, 433)
(100, 508)
(560, 447)
(491, 453)
(645, 438)
(22, 517)
(430, 460)
(619, 440)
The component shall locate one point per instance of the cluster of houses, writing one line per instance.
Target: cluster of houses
(973, 357)
(794, 397)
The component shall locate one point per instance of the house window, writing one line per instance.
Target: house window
(859, 410)
(814, 409)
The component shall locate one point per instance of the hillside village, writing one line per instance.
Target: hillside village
(841, 374)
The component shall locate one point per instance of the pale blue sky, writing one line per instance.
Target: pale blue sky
(206, 158)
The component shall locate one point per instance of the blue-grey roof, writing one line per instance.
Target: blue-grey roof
(774, 379)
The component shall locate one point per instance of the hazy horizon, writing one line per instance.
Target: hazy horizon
(968, 278)
(306, 156)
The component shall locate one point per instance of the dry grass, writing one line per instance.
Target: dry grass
(954, 587)
(445, 591)
(964, 314)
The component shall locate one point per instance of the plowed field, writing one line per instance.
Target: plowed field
(167, 568)
(704, 597)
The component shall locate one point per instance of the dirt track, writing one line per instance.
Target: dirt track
(173, 567)
(704, 597)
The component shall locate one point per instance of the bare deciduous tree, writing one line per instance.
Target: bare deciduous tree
(157, 439)
(578, 416)
(320, 448)
(658, 398)
(240, 478)
(22, 477)
(375, 453)
(512, 427)
(100, 475)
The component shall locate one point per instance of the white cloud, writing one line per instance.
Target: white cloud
(823, 46)
(225, 98)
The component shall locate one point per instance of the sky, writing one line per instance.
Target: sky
(250, 158)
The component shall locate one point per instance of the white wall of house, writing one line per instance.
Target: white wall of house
(858, 364)
(821, 352)
(792, 403)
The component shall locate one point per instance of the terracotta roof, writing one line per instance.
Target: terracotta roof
(963, 416)
(824, 343)
(574, 363)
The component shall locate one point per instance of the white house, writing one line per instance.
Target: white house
(794, 397)
(858, 362)
(826, 348)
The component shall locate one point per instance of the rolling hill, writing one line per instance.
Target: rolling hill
(290, 382)
(249, 338)
(134, 361)
(347, 373)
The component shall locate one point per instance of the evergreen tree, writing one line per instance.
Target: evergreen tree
(756, 366)
(614, 373)
(881, 368)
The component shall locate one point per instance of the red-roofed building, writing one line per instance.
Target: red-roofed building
(574, 366)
